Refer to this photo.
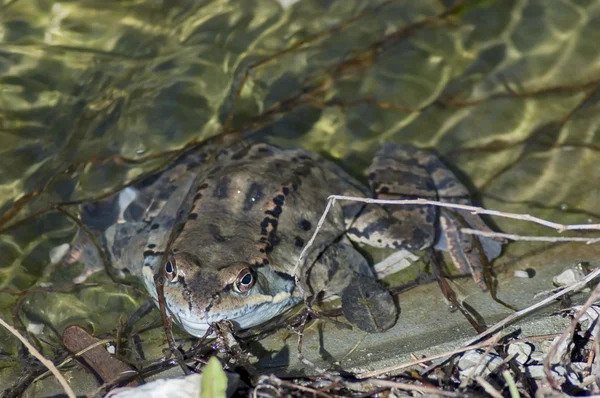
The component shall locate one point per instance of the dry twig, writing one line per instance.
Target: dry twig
(516, 237)
(47, 363)
(424, 202)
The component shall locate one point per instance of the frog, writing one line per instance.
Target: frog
(228, 238)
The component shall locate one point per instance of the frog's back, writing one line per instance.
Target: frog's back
(261, 204)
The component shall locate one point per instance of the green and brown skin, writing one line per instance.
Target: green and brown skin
(243, 220)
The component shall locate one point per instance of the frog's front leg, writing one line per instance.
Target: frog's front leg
(339, 269)
(404, 172)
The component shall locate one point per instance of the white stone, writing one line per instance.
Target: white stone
(35, 328)
(522, 351)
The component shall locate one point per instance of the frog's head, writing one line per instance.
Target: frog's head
(199, 294)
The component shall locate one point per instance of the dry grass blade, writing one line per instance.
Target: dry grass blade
(47, 363)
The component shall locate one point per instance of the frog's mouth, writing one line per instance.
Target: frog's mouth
(258, 309)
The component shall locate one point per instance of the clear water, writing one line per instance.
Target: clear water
(95, 94)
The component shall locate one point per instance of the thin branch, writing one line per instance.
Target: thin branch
(516, 237)
(425, 202)
(47, 363)
(314, 392)
(475, 210)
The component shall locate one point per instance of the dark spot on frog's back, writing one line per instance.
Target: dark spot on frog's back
(278, 201)
(419, 238)
(193, 216)
(304, 224)
(298, 242)
(253, 195)
(154, 226)
(222, 188)
(264, 225)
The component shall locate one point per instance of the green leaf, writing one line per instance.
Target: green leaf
(214, 380)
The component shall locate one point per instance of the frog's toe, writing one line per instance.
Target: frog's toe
(366, 304)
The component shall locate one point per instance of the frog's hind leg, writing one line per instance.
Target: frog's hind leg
(395, 174)
(340, 269)
(405, 172)
(469, 254)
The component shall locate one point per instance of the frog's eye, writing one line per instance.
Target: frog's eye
(244, 281)
(171, 269)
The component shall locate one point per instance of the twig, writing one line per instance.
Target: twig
(501, 235)
(279, 382)
(548, 361)
(47, 363)
(498, 326)
(473, 209)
